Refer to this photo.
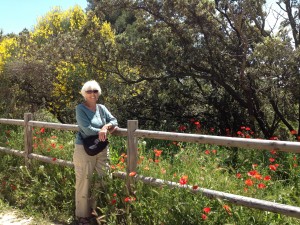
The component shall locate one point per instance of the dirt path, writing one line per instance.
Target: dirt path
(11, 218)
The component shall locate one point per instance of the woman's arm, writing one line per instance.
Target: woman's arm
(111, 121)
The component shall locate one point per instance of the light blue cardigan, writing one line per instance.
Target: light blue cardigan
(90, 122)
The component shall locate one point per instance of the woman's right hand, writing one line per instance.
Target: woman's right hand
(113, 129)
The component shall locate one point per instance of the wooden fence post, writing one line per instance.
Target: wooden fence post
(132, 146)
(27, 137)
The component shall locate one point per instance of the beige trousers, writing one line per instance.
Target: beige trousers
(84, 169)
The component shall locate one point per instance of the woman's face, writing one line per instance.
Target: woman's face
(91, 95)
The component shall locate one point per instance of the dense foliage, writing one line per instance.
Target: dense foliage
(161, 62)
(45, 190)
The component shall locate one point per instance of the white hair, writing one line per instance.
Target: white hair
(90, 85)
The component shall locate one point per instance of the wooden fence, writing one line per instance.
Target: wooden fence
(133, 133)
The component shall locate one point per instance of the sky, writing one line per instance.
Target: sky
(15, 15)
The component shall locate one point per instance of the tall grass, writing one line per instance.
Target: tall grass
(47, 190)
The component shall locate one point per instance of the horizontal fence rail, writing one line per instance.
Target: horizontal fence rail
(12, 121)
(12, 151)
(288, 210)
(285, 146)
(133, 133)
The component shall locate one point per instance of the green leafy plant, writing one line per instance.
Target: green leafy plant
(47, 190)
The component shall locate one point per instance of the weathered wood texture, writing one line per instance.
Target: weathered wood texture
(285, 146)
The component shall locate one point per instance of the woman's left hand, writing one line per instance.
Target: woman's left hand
(103, 133)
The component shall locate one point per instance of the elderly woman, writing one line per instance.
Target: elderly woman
(92, 119)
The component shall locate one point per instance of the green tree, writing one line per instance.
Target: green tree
(41, 55)
(208, 47)
(8, 46)
(291, 22)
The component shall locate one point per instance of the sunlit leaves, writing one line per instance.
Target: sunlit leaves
(7, 47)
(57, 21)
(77, 18)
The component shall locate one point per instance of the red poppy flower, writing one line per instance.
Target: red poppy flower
(198, 125)
(273, 167)
(206, 210)
(113, 167)
(182, 128)
(129, 199)
(195, 187)
(249, 182)
(293, 132)
(42, 130)
(204, 217)
(252, 173)
(271, 160)
(132, 174)
(267, 177)
(157, 152)
(273, 152)
(238, 175)
(261, 185)
(207, 152)
(183, 180)
(257, 176)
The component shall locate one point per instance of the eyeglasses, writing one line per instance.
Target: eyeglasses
(92, 91)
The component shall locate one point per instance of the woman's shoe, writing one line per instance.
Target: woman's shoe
(83, 221)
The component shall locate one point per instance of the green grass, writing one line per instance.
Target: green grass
(47, 191)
